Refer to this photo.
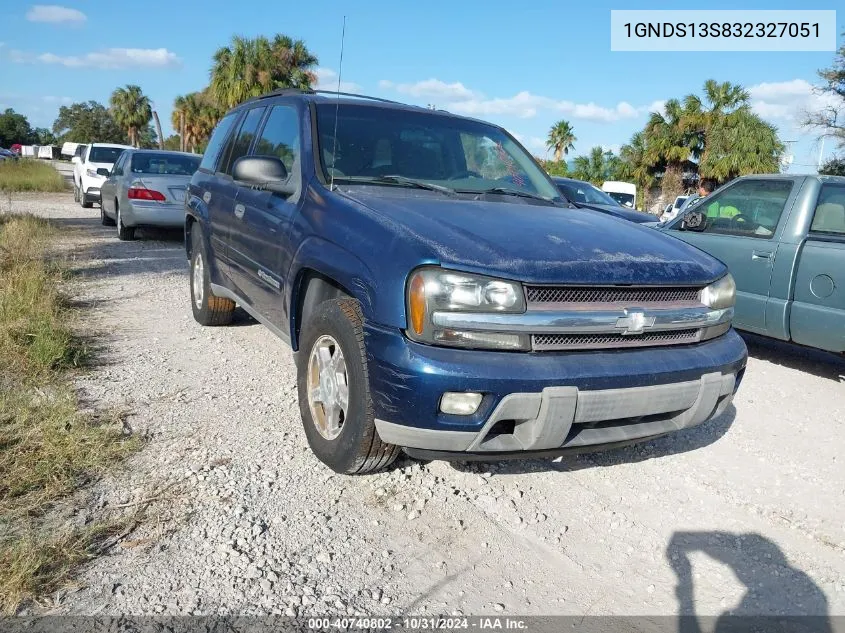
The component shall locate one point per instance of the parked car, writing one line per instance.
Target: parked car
(783, 238)
(86, 180)
(625, 193)
(146, 188)
(671, 210)
(588, 195)
(440, 295)
(7, 154)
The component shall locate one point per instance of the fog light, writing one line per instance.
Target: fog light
(460, 403)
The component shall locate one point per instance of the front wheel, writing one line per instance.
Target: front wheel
(334, 391)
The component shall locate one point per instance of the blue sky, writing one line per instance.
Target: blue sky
(522, 65)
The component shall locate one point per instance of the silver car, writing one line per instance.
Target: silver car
(146, 188)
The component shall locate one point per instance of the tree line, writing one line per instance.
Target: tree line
(714, 135)
(247, 67)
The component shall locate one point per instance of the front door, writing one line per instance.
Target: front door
(261, 243)
(742, 229)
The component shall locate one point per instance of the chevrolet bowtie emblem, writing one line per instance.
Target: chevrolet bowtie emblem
(634, 323)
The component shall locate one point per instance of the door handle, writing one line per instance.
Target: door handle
(761, 255)
(239, 211)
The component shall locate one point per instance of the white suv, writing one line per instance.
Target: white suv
(86, 179)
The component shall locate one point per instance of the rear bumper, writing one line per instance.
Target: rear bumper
(546, 401)
(153, 214)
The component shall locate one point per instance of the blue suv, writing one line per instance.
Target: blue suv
(440, 295)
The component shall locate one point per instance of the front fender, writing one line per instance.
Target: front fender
(338, 264)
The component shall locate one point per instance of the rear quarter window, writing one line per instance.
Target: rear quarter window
(829, 216)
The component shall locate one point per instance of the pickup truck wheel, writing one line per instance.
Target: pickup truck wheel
(208, 308)
(83, 200)
(334, 391)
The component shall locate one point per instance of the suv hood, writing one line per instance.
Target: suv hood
(537, 243)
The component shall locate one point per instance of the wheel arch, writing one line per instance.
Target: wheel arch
(310, 290)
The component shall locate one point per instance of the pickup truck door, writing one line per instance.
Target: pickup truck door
(261, 243)
(817, 317)
(744, 221)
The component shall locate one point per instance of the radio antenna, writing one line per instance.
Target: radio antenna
(337, 101)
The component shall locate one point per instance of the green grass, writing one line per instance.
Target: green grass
(29, 175)
(48, 449)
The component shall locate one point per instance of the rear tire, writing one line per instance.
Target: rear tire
(208, 308)
(331, 370)
(124, 233)
(75, 192)
(106, 220)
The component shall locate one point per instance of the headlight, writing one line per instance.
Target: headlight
(92, 173)
(433, 289)
(720, 294)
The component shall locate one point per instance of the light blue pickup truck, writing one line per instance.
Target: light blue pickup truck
(783, 239)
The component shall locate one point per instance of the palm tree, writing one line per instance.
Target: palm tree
(634, 166)
(669, 146)
(131, 109)
(596, 167)
(251, 67)
(561, 139)
(194, 116)
(738, 144)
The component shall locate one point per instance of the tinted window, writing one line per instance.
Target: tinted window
(280, 136)
(469, 156)
(104, 154)
(751, 208)
(829, 216)
(218, 138)
(164, 164)
(246, 134)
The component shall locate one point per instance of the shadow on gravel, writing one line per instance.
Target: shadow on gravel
(671, 444)
(779, 597)
(807, 359)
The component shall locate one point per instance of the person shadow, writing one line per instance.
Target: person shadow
(779, 597)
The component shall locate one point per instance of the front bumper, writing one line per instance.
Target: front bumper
(546, 401)
(92, 193)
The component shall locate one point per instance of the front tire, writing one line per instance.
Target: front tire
(83, 199)
(124, 233)
(208, 308)
(334, 391)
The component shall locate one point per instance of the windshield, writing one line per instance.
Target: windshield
(679, 201)
(104, 154)
(583, 192)
(467, 156)
(165, 164)
(625, 199)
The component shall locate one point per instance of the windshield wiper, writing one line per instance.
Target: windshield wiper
(505, 191)
(402, 181)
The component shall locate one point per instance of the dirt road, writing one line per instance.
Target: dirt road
(745, 512)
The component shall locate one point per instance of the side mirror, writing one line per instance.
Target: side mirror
(693, 221)
(102, 171)
(75, 160)
(263, 172)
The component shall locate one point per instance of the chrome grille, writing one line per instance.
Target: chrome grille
(553, 342)
(630, 295)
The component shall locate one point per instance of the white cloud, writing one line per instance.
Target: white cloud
(55, 14)
(109, 58)
(431, 89)
(787, 102)
(327, 80)
(525, 105)
(58, 100)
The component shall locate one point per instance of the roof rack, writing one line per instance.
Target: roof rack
(297, 91)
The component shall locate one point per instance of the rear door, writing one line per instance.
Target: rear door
(262, 242)
(209, 190)
(817, 317)
(743, 223)
(231, 226)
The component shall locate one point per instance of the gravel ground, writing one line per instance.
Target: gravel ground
(744, 513)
